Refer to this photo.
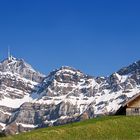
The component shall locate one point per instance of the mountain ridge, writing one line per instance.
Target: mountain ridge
(29, 99)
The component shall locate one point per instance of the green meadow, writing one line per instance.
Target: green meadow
(103, 128)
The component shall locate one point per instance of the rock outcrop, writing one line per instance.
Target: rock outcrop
(30, 100)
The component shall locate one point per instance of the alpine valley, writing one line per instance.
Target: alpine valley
(29, 99)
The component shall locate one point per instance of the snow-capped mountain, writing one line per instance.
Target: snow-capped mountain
(29, 99)
(21, 68)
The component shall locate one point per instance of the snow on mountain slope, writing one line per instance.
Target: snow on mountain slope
(29, 99)
(17, 81)
(20, 67)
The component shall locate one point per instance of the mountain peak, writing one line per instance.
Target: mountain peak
(68, 69)
(20, 67)
(12, 63)
(134, 67)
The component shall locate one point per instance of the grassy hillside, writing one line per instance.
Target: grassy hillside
(113, 128)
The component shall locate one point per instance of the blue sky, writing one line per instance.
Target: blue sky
(96, 36)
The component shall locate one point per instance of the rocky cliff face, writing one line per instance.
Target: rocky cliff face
(18, 80)
(21, 68)
(29, 100)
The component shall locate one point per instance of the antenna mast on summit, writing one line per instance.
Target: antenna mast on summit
(9, 53)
